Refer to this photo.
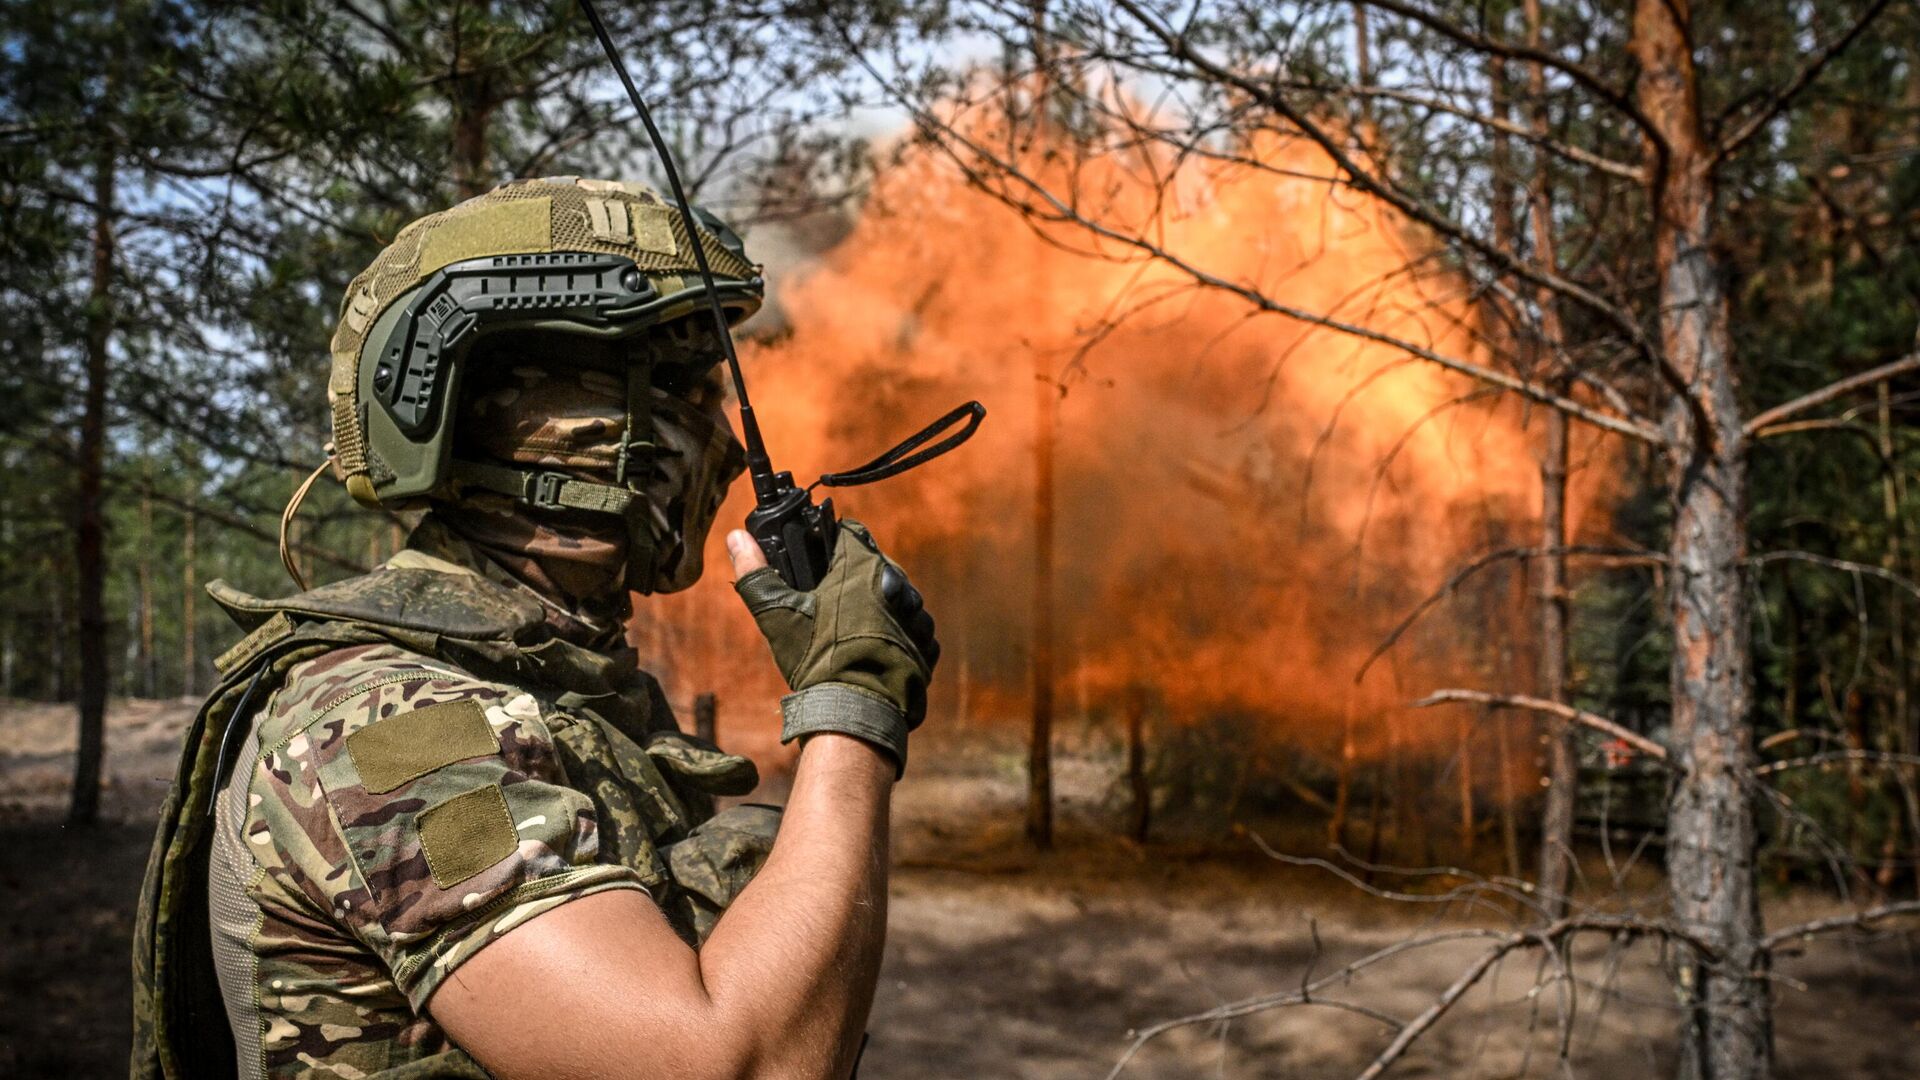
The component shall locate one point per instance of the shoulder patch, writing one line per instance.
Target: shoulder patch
(390, 752)
(466, 834)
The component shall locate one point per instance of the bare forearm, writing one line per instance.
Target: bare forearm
(797, 955)
(781, 989)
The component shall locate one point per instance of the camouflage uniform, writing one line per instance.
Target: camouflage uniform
(393, 808)
(398, 768)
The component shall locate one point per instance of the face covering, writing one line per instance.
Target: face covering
(578, 570)
(696, 461)
(567, 418)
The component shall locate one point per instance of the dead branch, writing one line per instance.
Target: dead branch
(1056, 209)
(1844, 426)
(1178, 45)
(1546, 938)
(1590, 80)
(1606, 556)
(1304, 995)
(242, 525)
(1877, 757)
(1847, 565)
(1809, 71)
(1857, 920)
(1632, 427)
(202, 509)
(1565, 712)
(1419, 1024)
(1571, 153)
(1469, 892)
(1758, 425)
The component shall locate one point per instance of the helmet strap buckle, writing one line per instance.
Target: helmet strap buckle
(543, 490)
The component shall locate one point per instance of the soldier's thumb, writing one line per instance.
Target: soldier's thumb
(745, 553)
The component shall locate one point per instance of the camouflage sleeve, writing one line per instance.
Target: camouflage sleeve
(425, 812)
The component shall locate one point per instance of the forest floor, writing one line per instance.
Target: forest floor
(1005, 963)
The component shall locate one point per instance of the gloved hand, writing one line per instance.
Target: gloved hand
(857, 650)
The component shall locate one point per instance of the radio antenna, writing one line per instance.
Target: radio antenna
(759, 466)
(796, 535)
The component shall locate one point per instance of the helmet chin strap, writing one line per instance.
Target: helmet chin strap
(625, 498)
(540, 489)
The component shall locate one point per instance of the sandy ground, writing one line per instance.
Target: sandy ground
(1002, 963)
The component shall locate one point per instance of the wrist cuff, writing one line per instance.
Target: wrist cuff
(846, 710)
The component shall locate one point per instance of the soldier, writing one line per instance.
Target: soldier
(434, 822)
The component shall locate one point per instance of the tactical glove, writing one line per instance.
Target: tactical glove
(857, 650)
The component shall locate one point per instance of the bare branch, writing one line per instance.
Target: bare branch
(1545, 938)
(1809, 71)
(1847, 565)
(1471, 892)
(1615, 99)
(1304, 995)
(1758, 425)
(1632, 427)
(1178, 45)
(204, 509)
(948, 137)
(1857, 920)
(1565, 712)
(241, 525)
(1568, 151)
(1613, 556)
(1419, 1024)
(1878, 757)
(1845, 427)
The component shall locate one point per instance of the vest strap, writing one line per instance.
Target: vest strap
(262, 638)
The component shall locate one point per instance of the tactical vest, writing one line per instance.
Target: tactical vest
(181, 1029)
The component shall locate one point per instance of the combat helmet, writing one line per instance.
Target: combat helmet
(603, 259)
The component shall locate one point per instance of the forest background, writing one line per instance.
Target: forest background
(1552, 362)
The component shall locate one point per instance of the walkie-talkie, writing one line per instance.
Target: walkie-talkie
(796, 534)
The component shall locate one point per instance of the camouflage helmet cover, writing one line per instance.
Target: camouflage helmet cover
(595, 257)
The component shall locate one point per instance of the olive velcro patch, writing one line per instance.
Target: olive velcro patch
(390, 752)
(505, 228)
(466, 834)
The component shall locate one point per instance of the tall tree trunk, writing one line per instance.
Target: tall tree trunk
(1040, 744)
(1363, 65)
(472, 111)
(189, 593)
(148, 664)
(1469, 827)
(1893, 497)
(1562, 765)
(1343, 783)
(62, 626)
(1502, 200)
(1711, 837)
(1046, 400)
(9, 619)
(1509, 830)
(90, 555)
(963, 687)
(1139, 791)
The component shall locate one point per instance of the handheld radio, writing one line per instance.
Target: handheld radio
(796, 534)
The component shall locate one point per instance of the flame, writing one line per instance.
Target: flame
(1245, 503)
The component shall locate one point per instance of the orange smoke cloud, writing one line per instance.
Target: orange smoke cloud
(1245, 503)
